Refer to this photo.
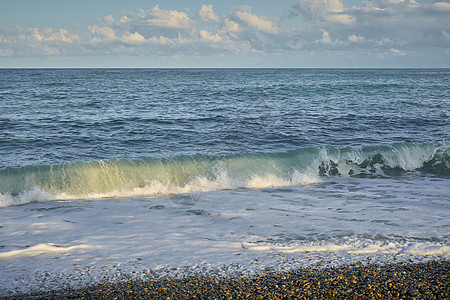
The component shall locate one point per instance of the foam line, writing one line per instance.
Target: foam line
(40, 249)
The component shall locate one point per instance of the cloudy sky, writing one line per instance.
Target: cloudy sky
(232, 33)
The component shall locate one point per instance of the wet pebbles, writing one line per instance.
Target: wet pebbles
(429, 280)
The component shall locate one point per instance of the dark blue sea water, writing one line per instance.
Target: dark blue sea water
(250, 168)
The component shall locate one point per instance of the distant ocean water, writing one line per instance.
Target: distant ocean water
(340, 162)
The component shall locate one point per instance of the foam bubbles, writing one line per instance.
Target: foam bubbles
(27, 196)
(409, 157)
(40, 249)
(356, 247)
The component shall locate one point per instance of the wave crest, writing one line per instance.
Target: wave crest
(184, 174)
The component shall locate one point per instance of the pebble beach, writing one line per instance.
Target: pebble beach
(429, 280)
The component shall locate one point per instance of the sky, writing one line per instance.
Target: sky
(222, 34)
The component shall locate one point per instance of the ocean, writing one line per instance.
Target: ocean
(111, 174)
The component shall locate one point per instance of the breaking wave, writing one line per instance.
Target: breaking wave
(184, 174)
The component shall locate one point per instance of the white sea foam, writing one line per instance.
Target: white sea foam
(154, 187)
(356, 246)
(337, 221)
(271, 180)
(32, 195)
(409, 157)
(41, 249)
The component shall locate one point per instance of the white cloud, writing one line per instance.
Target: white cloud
(231, 26)
(47, 34)
(63, 35)
(313, 8)
(264, 24)
(393, 28)
(397, 52)
(205, 35)
(328, 10)
(101, 32)
(133, 38)
(166, 18)
(325, 38)
(161, 41)
(18, 41)
(356, 39)
(109, 20)
(207, 14)
(123, 19)
(340, 18)
(442, 6)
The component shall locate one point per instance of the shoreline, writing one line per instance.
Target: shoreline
(428, 280)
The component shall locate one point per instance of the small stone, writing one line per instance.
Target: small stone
(413, 293)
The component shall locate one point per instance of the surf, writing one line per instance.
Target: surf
(204, 172)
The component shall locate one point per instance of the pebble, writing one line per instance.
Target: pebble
(430, 280)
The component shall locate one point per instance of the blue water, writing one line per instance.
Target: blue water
(56, 124)
(114, 172)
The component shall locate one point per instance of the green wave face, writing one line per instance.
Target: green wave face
(202, 172)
